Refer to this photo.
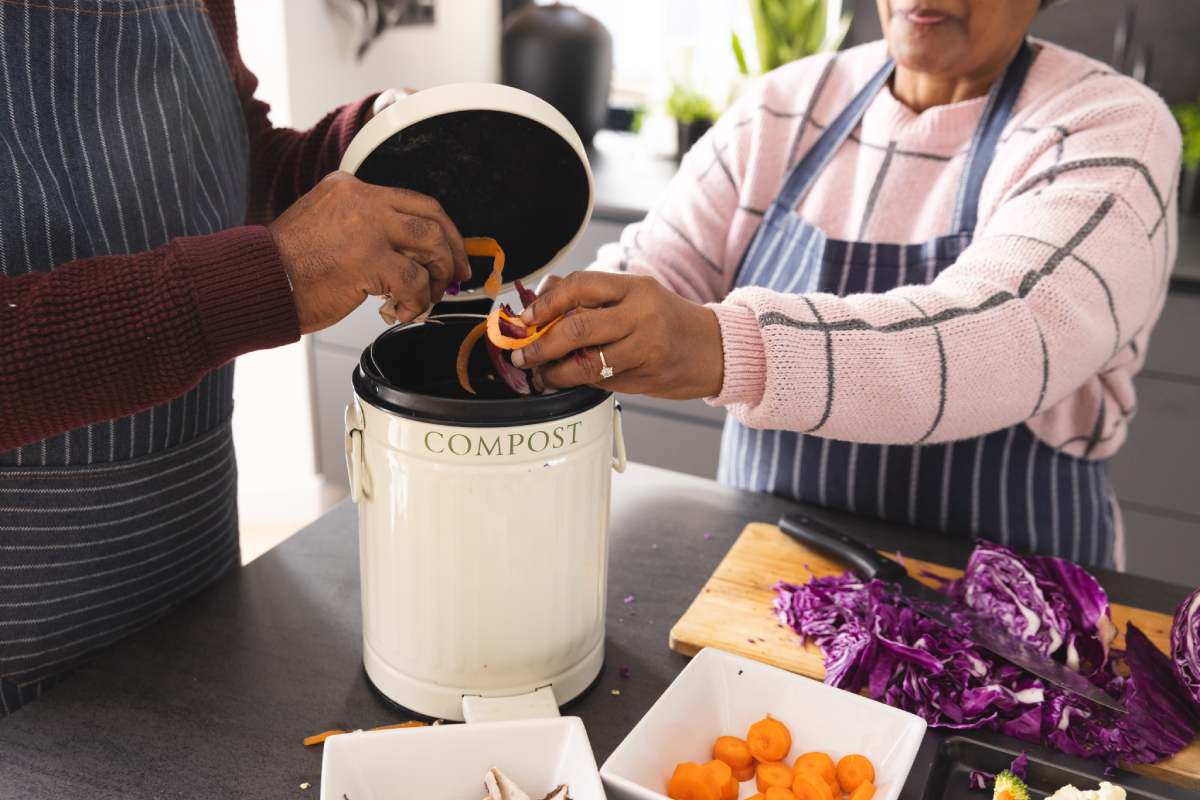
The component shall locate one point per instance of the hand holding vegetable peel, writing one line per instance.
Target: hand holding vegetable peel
(657, 342)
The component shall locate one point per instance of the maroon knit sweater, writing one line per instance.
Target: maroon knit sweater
(100, 338)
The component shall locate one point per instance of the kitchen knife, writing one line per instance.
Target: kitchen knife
(868, 563)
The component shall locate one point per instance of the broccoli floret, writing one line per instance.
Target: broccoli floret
(1010, 787)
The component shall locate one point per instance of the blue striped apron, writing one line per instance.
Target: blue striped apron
(120, 129)
(1007, 486)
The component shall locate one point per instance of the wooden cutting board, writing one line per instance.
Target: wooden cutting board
(733, 613)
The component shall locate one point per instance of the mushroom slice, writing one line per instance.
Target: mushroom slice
(559, 793)
(501, 787)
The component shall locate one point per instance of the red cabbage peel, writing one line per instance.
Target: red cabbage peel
(513, 377)
(527, 296)
(1185, 646)
(979, 779)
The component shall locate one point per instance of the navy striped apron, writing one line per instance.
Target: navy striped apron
(1007, 486)
(120, 129)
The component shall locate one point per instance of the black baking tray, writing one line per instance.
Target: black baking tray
(946, 760)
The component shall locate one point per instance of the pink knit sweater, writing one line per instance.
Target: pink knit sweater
(1048, 312)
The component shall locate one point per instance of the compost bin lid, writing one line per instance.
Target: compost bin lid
(502, 162)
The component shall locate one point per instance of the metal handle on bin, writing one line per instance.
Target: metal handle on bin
(356, 468)
(618, 462)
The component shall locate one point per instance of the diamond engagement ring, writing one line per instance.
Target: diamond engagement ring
(605, 370)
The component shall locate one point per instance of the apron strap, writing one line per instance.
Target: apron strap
(1002, 99)
(818, 156)
(1000, 104)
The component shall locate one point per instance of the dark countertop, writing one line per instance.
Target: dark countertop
(213, 701)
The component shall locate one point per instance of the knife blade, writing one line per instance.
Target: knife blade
(868, 563)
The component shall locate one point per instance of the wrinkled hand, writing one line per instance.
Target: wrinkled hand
(347, 239)
(656, 342)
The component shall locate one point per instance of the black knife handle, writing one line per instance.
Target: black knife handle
(866, 562)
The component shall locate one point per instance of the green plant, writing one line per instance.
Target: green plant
(1188, 116)
(639, 117)
(688, 106)
(786, 30)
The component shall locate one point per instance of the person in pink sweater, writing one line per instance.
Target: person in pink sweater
(920, 274)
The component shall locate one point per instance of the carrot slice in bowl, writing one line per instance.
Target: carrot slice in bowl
(769, 739)
(773, 773)
(854, 770)
(733, 751)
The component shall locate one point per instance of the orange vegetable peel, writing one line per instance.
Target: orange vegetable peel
(533, 332)
(319, 738)
(482, 246)
(464, 355)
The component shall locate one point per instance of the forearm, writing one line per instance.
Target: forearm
(1027, 315)
(286, 163)
(104, 337)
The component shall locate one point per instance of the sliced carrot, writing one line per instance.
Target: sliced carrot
(779, 793)
(692, 782)
(319, 738)
(769, 739)
(534, 332)
(1004, 794)
(772, 773)
(744, 774)
(733, 751)
(823, 765)
(464, 355)
(399, 725)
(853, 770)
(723, 776)
(865, 791)
(487, 246)
(808, 785)
(757, 796)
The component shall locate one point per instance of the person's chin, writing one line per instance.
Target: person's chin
(923, 53)
(926, 48)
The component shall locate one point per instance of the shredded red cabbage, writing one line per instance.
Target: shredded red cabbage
(1185, 645)
(873, 640)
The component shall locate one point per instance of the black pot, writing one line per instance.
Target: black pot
(1189, 193)
(564, 57)
(688, 133)
(410, 370)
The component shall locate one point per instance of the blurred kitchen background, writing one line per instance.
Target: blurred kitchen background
(651, 74)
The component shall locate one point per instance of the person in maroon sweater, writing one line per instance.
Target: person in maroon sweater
(314, 246)
(154, 225)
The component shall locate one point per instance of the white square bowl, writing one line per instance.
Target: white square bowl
(720, 694)
(448, 762)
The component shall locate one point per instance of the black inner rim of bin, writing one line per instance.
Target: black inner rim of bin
(496, 174)
(410, 370)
